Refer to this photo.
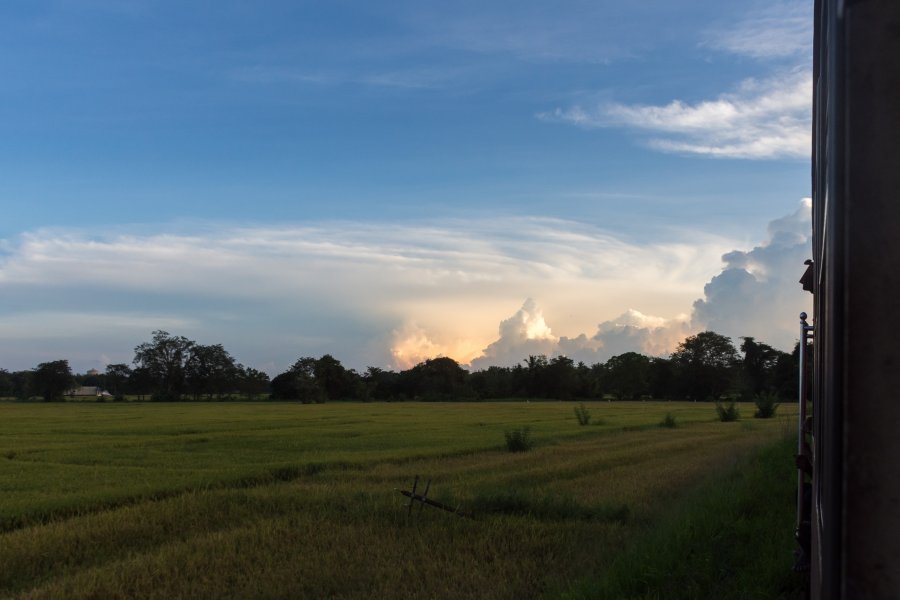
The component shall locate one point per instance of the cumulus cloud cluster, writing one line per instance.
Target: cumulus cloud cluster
(755, 294)
(526, 334)
(523, 334)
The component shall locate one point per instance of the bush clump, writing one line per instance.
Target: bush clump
(668, 421)
(766, 404)
(519, 439)
(727, 412)
(582, 415)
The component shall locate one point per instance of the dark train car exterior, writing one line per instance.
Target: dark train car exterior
(854, 514)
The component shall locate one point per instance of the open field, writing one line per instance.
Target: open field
(287, 500)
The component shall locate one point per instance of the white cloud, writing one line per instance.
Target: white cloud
(271, 294)
(526, 334)
(781, 30)
(762, 119)
(393, 295)
(411, 344)
(755, 294)
(54, 325)
(523, 334)
(634, 331)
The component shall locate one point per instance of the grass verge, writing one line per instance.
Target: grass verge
(731, 537)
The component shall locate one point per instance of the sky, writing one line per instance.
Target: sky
(392, 181)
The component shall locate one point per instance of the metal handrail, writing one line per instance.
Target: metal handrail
(805, 330)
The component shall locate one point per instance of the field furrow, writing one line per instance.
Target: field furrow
(256, 515)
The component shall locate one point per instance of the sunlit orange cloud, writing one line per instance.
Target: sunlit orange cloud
(412, 345)
(526, 333)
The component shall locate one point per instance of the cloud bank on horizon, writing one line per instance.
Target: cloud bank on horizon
(392, 297)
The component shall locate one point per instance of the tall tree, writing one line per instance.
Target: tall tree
(537, 384)
(584, 381)
(22, 387)
(493, 382)
(52, 380)
(165, 359)
(251, 382)
(210, 370)
(6, 384)
(757, 367)
(116, 379)
(436, 379)
(784, 375)
(380, 384)
(337, 382)
(562, 379)
(628, 375)
(298, 383)
(140, 383)
(704, 364)
(662, 379)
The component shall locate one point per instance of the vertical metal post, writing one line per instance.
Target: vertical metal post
(805, 329)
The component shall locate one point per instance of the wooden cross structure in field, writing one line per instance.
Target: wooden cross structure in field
(423, 499)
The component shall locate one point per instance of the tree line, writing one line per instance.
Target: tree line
(706, 366)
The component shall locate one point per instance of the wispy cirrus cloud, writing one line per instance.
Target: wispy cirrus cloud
(408, 79)
(781, 30)
(761, 119)
(383, 294)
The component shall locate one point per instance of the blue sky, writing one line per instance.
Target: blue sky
(388, 181)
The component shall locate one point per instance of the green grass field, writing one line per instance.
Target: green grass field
(286, 500)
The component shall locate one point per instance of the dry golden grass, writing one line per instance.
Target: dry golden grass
(335, 527)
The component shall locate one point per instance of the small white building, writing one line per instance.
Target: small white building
(87, 391)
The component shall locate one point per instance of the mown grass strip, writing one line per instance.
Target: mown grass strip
(731, 537)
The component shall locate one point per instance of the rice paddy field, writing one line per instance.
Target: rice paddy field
(278, 500)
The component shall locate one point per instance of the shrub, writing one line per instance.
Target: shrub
(582, 414)
(668, 421)
(519, 440)
(766, 404)
(727, 412)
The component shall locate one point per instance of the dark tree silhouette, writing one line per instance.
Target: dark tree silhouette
(704, 364)
(116, 379)
(51, 380)
(628, 375)
(165, 360)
